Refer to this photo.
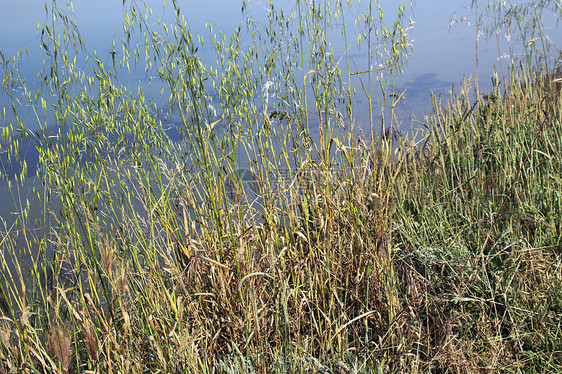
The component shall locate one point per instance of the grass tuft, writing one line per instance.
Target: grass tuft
(264, 245)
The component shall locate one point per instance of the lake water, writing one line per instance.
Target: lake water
(443, 54)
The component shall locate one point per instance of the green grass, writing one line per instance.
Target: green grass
(442, 255)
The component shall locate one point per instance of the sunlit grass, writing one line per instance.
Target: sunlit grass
(273, 237)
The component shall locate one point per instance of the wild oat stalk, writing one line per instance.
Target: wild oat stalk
(253, 241)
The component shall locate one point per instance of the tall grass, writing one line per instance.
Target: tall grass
(271, 237)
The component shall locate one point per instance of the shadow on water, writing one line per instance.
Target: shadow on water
(12, 166)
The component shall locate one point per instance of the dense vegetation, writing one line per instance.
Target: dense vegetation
(271, 235)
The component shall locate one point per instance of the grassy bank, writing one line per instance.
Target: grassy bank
(342, 253)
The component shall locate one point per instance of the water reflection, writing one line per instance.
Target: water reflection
(441, 57)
